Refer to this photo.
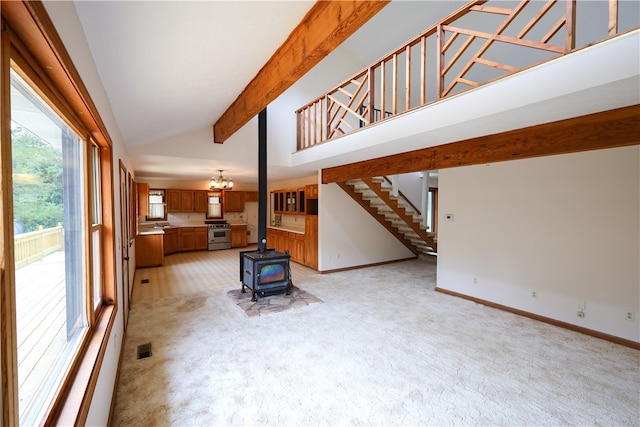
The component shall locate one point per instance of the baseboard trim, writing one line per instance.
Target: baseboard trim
(612, 338)
(357, 267)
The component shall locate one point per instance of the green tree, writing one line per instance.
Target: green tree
(37, 181)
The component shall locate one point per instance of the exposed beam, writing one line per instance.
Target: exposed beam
(607, 129)
(324, 28)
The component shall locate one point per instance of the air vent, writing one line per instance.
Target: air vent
(144, 351)
(144, 281)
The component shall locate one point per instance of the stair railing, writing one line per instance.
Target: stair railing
(479, 43)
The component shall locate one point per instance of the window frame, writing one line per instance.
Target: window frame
(28, 40)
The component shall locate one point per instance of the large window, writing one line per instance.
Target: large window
(58, 287)
(57, 255)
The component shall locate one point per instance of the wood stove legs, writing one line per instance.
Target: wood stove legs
(254, 298)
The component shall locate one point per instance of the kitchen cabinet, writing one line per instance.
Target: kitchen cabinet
(311, 191)
(233, 201)
(143, 198)
(149, 250)
(311, 241)
(289, 201)
(199, 201)
(251, 196)
(202, 238)
(174, 200)
(171, 241)
(186, 201)
(296, 244)
(238, 236)
(193, 238)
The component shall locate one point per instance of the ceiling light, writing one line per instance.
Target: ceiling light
(220, 183)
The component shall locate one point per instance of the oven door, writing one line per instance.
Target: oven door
(219, 238)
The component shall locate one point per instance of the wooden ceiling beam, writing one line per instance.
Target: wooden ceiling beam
(607, 129)
(325, 27)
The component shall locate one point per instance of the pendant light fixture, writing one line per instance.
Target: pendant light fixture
(220, 183)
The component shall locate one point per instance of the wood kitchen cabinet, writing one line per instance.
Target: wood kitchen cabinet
(199, 201)
(193, 238)
(311, 241)
(311, 191)
(238, 236)
(171, 241)
(233, 201)
(174, 200)
(186, 201)
(202, 238)
(251, 196)
(149, 250)
(289, 201)
(143, 198)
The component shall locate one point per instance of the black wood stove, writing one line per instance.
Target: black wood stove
(265, 272)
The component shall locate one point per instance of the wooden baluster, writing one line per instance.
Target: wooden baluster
(613, 17)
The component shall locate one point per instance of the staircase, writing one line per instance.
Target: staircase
(400, 218)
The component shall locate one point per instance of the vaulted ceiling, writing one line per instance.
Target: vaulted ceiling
(170, 69)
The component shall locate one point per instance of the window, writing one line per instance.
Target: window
(53, 277)
(57, 190)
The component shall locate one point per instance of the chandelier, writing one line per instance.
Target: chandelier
(220, 183)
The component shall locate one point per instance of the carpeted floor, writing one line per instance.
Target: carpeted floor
(381, 349)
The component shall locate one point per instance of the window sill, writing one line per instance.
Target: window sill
(74, 408)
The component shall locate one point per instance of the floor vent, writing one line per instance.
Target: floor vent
(144, 281)
(144, 351)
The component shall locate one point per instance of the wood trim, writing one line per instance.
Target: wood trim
(603, 336)
(31, 24)
(325, 26)
(357, 267)
(8, 343)
(607, 129)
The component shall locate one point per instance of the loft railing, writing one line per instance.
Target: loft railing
(479, 43)
(35, 245)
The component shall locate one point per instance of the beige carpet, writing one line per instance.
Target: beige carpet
(382, 349)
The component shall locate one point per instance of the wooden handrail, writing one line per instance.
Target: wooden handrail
(35, 245)
(460, 58)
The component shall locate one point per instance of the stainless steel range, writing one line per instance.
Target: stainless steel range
(219, 235)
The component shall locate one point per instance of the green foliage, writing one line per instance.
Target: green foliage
(37, 181)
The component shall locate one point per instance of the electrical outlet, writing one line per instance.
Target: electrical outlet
(475, 280)
(629, 315)
(534, 294)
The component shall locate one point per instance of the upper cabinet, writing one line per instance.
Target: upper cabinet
(186, 200)
(289, 201)
(143, 198)
(233, 201)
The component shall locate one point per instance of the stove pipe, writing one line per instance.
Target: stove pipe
(262, 180)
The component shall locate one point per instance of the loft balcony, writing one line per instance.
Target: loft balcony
(483, 48)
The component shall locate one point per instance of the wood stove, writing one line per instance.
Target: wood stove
(265, 272)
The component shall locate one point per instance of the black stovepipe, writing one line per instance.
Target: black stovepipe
(262, 180)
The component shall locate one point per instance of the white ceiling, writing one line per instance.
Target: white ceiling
(171, 68)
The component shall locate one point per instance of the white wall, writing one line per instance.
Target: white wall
(566, 227)
(348, 236)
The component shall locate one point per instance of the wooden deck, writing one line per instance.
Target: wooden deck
(40, 323)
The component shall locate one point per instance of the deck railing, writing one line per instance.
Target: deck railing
(481, 42)
(35, 245)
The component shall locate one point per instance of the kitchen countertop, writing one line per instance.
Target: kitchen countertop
(150, 229)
